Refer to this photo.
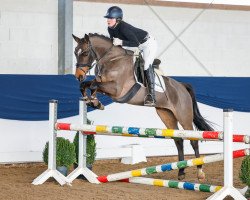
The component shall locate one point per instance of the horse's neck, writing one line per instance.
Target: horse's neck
(103, 47)
(109, 54)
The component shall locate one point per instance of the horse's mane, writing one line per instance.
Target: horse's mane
(106, 38)
(100, 36)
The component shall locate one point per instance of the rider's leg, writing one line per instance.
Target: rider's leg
(149, 49)
(150, 98)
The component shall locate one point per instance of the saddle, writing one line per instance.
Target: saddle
(139, 68)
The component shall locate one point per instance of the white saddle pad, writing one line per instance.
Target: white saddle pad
(159, 83)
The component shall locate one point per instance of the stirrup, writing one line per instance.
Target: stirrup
(149, 101)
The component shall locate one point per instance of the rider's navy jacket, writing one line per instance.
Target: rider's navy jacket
(130, 35)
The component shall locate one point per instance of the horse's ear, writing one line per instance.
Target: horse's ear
(77, 39)
(86, 37)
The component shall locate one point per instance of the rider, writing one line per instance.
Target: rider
(125, 34)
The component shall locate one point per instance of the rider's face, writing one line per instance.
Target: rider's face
(111, 22)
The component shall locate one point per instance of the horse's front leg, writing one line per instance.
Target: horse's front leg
(95, 103)
(83, 88)
(109, 88)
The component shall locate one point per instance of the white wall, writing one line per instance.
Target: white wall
(219, 39)
(28, 36)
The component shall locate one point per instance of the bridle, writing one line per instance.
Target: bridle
(92, 53)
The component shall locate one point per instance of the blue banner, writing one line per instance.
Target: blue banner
(26, 97)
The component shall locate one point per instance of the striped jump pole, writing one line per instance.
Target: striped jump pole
(149, 132)
(170, 166)
(178, 184)
(173, 184)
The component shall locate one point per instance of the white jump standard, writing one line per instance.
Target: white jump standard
(133, 176)
(82, 169)
(51, 171)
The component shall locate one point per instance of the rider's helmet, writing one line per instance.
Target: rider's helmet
(114, 12)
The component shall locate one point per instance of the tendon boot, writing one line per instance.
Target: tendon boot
(150, 97)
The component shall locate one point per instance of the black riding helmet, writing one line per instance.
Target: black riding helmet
(114, 12)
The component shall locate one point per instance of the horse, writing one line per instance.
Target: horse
(114, 76)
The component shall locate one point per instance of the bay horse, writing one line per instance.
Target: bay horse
(114, 76)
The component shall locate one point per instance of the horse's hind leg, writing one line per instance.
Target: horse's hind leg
(170, 122)
(180, 148)
(194, 143)
(200, 174)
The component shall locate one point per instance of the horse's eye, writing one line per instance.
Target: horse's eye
(85, 53)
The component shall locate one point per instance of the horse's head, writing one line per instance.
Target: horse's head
(85, 56)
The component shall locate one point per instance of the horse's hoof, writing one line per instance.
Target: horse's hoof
(202, 180)
(181, 177)
(97, 104)
(100, 107)
(201, 177)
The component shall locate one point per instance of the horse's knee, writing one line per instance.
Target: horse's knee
(93, 86)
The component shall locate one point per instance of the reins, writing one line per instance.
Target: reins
(95, 57)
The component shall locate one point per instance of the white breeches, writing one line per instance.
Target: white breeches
(149, 50)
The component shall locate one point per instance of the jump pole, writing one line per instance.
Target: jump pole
(174, 184)
(51, 171)
(178, 184)
(149, 132)
(170, 166)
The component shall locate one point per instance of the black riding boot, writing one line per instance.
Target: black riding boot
(150, 98)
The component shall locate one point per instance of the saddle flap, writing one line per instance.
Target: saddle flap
(139, 68)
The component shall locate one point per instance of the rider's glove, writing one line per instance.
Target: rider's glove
(136, 51)
(117, 42)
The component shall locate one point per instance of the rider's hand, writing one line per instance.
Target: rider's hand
(136, 51)
(117, 42)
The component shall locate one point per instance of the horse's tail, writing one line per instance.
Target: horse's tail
(200, 123)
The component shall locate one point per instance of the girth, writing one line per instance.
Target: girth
(130, 94)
